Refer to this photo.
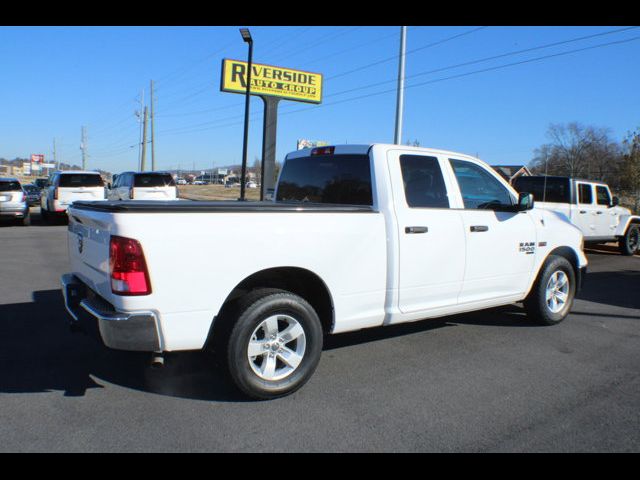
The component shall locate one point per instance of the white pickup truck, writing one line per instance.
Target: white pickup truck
(587, 204)
(356, 237)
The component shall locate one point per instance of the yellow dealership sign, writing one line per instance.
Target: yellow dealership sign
(271, 81)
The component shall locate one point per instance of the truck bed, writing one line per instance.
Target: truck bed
(173, 206)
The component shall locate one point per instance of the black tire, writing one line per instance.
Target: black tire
(242, 320)
(536, 304)
(44, 214)
(629, 244)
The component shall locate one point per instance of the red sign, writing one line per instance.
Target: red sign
(37, 158)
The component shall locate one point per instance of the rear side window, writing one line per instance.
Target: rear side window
(602, 195)
(554, 190)
(153, 180)
(480, 190)
(10, 187)
(339, 179)
(423, 182)
(584, 193)
(80, 180)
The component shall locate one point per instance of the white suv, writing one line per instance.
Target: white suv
(64, 188)
(143, 186)
(13, 201)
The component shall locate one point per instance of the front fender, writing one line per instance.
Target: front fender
(625, 221)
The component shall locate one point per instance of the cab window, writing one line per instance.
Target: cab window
(585, 196)
(479, 189)
(424, 185)
(602, 195)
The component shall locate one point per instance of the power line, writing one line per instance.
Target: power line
(485, 59)
(394, 57)
(484, 70)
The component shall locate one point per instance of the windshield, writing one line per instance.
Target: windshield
(338, 179)
(10, 186)
(153, 180)
(80, 180)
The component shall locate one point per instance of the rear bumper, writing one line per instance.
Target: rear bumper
(15, 210)
(134, 331)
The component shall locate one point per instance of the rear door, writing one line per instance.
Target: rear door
(500, 245)
(430, 232)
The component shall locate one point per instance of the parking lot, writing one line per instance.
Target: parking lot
(483, 382)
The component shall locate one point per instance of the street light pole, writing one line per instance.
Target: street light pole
(397, 138)
(246, 36)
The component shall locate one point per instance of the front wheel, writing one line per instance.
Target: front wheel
(274, 345)
(552, 294)
(630, 242)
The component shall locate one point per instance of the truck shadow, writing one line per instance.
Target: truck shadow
(38, 353)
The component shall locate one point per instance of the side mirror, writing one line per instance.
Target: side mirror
(615, 201)
(525, 201)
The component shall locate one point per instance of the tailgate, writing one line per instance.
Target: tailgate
(154, 193)
(88, 244)
(11, 197)
(67, 195)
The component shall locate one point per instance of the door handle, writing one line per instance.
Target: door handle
(479, 228)
(416, 229)
(583, 211)
(598, 213)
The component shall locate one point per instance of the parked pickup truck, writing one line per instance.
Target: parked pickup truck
(589, 206)
(356, 237)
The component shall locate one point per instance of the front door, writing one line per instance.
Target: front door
(500, 245)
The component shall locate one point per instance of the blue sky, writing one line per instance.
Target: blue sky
(56, 79)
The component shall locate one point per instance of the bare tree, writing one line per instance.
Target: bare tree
(576, 150)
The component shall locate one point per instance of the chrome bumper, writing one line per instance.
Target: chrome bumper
(137, 331)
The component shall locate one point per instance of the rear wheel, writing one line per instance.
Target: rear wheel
(551, 296)
(630, 242)
(274, 346)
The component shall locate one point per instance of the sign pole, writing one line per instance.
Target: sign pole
(270, 125)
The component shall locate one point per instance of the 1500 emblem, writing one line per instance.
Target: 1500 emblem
(527, 247)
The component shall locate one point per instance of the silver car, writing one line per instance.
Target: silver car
(13, 201)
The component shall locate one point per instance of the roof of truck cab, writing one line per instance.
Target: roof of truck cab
(75, 172)
(8, 179)
(363, 149)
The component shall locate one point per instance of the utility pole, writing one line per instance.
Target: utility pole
(55, 158)
(139, 115)
(397, 139)
(143, 157)
(83, 147)
(153, 149)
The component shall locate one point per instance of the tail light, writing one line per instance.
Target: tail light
(55, 194)
(129, 274)
(131, 193)
(21, 196)
(177, 192)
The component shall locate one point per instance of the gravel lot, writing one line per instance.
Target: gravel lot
(483, 382)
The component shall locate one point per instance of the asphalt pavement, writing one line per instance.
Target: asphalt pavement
(489, 381)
